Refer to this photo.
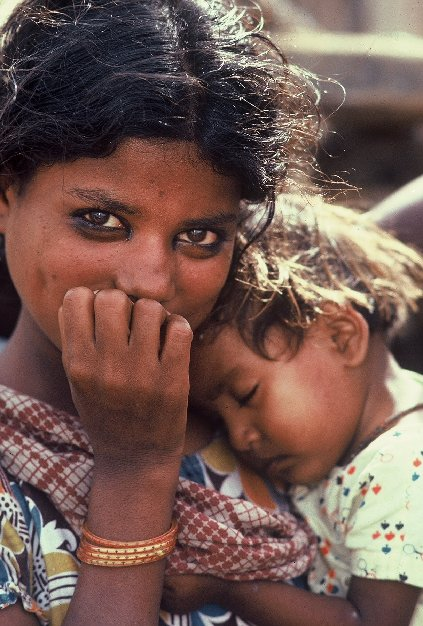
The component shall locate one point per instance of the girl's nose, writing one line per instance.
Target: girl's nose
(148, 272)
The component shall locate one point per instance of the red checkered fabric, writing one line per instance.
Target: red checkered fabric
(235, 539)
(218, 535)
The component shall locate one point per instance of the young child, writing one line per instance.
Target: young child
(132, 132)
(311, 397)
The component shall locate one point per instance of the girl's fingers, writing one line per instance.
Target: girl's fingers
(112, 310)
(76, 320)
(177, 344)
(148, 317)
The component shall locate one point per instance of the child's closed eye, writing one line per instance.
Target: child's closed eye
(244, 399)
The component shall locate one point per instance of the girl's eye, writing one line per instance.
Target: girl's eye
(244, 399)
(199, 236)
(103, 219)
(101, 225)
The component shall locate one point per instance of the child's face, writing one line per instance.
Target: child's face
(151, 219)
(291, 418)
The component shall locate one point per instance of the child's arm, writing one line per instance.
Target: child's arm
(369, 603)
(16, 616)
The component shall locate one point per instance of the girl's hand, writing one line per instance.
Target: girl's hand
(127, 366)
(189, 592)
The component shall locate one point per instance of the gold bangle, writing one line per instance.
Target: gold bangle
(95, 550)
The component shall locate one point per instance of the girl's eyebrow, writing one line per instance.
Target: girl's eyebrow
(219, 218)
(107, 202)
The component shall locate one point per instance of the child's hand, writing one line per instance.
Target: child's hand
(127, 366)
(189, 592)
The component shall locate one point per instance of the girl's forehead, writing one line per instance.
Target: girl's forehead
(170, 171)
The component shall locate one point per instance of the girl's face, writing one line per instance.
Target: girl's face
(152, 220)
(291, 418)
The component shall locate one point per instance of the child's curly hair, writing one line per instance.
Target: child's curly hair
(316, 253)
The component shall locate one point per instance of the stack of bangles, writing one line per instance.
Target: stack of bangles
(95, 550)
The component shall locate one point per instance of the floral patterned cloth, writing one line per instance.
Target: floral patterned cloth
(50, 455)
(37, 553)
(368, 515)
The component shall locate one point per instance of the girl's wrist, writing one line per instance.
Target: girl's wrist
(130, 506)
(154, 465)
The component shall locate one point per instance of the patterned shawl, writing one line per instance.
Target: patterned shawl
(218, 535)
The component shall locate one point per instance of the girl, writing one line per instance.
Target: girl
(311, 397)
(130, 132)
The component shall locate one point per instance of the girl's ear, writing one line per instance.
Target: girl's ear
(349, 333)
(4, 208)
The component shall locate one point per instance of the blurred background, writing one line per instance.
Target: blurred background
(374, 48)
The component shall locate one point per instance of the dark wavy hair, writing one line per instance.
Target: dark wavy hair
(80, 76)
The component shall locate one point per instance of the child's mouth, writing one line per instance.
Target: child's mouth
(276, 467)
(273, 467)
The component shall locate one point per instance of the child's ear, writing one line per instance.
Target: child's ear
(349, 333)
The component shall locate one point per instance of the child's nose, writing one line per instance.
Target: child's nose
(243, 437)
(148, 272)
